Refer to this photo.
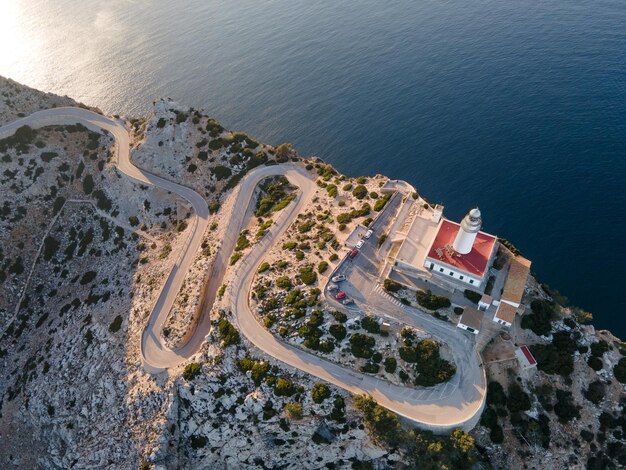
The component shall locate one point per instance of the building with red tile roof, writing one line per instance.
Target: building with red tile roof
(447, 261)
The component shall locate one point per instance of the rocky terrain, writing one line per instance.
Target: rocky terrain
(84, 251)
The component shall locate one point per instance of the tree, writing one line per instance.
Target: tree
(540, 321)
(191, 371)
(320, 392)
(565, 408)
(495, 394)
(518, 399)
(338, 331)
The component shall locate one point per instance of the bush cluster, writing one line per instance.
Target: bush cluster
(431, 301)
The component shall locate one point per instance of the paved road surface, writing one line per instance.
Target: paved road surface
(455, 404)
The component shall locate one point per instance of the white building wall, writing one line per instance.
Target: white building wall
(437, 268)
(501, 321)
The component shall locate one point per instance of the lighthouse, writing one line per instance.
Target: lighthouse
(470, 226)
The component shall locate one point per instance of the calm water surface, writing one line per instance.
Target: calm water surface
(518, 107)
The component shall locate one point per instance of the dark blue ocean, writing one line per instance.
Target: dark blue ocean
(518, 107)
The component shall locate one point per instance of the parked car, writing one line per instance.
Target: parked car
(340, 295)
(353, 253)
(368, 233)
(360, 244)
(338, 278)
(347, 302)
(333, 287)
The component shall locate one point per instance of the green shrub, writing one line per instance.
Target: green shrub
(242, 241)
(191, 371)
(362, 345)
(116, 324)
(382, 239)
(294, 410)
(264, 267)
(221, 172)
(370, 325)
(284, 282)
(259, 372)
(540, 320)
(359, 191)
(103, 202)
(595, 363)
(391, 286)
(381, 423)
(599, 348)
(472, 296)
(382, 202)
(51, 245)
(228, 334)
(322, 267)
(390, 364)
(307, 275)
(320, 392)
(181, 117)
(431, 369)
(370, 368)
(619, 370)
(557, 357)
(198, 441)
(518, 399)
(88, 277)
(338, 331)
(497, 434)
(565, 408)
(347, 187)
(133, 221)
(88, 184)
(284, 387)
(431, 301)
(595, 392)
(495, 394)
(306, 226)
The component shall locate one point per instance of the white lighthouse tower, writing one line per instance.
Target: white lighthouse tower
(470, 226)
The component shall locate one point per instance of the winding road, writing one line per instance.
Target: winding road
(440, 409)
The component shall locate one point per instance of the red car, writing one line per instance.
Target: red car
(353, 253)
(340, 295)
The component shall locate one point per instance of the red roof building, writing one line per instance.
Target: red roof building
(470, 268)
